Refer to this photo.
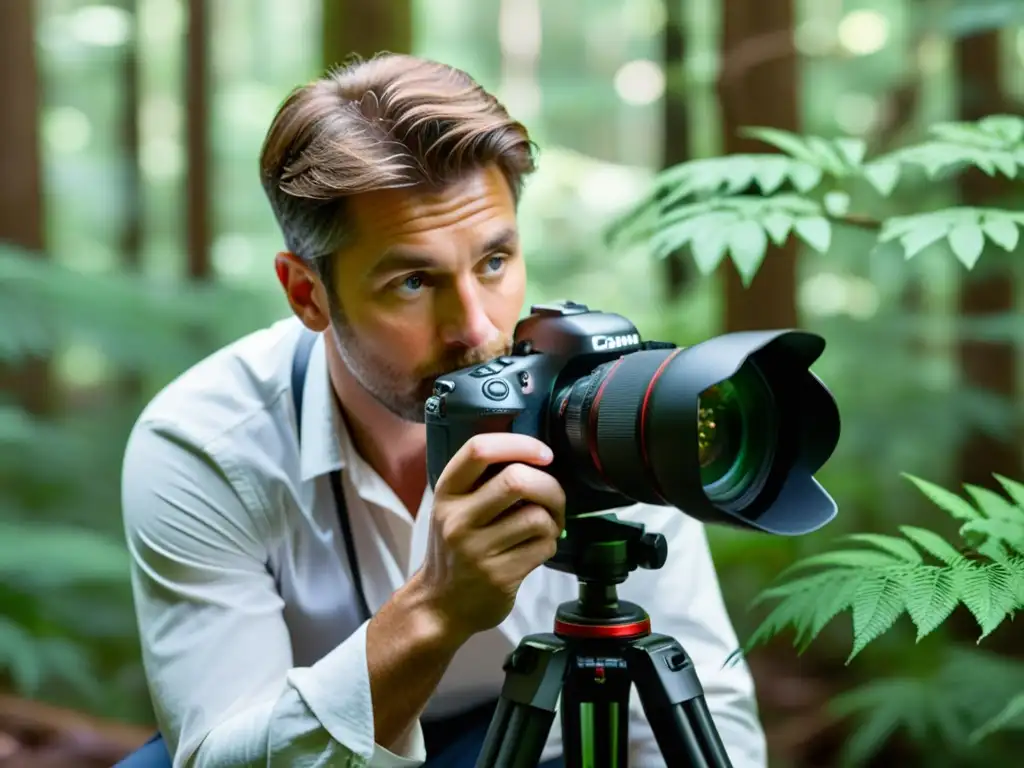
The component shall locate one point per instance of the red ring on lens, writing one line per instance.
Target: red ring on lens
(592, 419)
(644, 412)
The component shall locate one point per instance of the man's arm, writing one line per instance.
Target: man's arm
(215, 646)
(684, 600)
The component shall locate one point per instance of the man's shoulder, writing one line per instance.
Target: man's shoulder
(236, 388)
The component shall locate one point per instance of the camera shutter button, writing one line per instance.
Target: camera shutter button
(496, 389)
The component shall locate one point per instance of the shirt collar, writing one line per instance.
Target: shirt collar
(320, 451)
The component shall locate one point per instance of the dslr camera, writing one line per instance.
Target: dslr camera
(729, 431)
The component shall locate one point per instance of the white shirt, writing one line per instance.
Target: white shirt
(252, 643)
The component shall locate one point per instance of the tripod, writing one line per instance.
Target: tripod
(601, 646)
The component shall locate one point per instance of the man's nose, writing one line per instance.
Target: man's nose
(464, 320)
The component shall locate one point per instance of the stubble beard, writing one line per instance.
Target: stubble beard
(396, 391)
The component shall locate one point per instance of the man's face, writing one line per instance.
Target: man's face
(434, 281)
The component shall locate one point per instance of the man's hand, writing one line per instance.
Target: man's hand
(489, 530)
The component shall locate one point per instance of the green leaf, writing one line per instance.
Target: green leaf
(933, 544)
(965, 133)
(876, 606)
(967, 242)
(997, 531)
(1014, 489)
(994, 505)
(988, 594)
(710, 248)
(1011, 717)
(788, 142)
(897, 227)
(748, 243)
(898, 547)
(845, 558)
(816, 231)
(787, 613)
(52, 556)
(837, 203)
(770, 172)
(1008, 128)
(931, 597)
(945, 500)
(19, 655)
(852, 150)
(1006, 163)
(828, 157)
(778, 224)
(834, 598)
(804, 177)
(917, 240)
(1003, 232)
(883, 176)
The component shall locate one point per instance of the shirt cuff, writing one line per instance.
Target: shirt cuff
(337, 691)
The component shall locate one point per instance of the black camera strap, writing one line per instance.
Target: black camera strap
(300, 362)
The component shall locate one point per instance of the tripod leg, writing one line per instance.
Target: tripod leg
(595, 709)
(673, 700)
(534, 673)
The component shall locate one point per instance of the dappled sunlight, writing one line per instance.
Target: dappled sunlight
(849, 168)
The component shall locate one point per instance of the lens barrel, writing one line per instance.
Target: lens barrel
(729, 431)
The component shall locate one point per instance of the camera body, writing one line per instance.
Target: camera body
(552, 347)
(729, 431)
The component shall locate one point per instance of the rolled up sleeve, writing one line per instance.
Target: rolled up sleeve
(684, 600)
(215, 646)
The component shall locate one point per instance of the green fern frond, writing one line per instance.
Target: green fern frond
(940, 709)
(933, 544)
(742, 227)
(931, 597)
(888, 575)
(965, 229)
(20, 656)
(990, 593)
(1011, 717)
(947, 501)
(732, 174)
(51, 556)
(1013, 489)
(992, 144)
(837, 157)
(994, 506)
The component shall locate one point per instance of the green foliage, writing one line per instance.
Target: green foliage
(921, 574)
(943, 710)
(67, 628)
(925, 576)
(739, 204)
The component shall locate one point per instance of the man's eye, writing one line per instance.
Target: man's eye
(411, 284)
(495, 264)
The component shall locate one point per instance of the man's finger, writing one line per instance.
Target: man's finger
(472, 460)
(515, 485)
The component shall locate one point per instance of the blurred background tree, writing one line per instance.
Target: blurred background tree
(135, 239)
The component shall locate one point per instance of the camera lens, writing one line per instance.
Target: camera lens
(607, 418)
(734, 432)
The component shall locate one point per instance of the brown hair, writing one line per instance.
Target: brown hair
(382, 123)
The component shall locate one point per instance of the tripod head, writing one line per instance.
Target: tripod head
(604, 549)
(601, 551)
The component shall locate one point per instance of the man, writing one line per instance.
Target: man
(272, 506)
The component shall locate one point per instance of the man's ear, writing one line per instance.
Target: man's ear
(305, 293)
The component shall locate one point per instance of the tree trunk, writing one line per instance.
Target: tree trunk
(989, 288)
(365, 28)
(22, 221)
(197, 177)
(676, 132)
(765, 93)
